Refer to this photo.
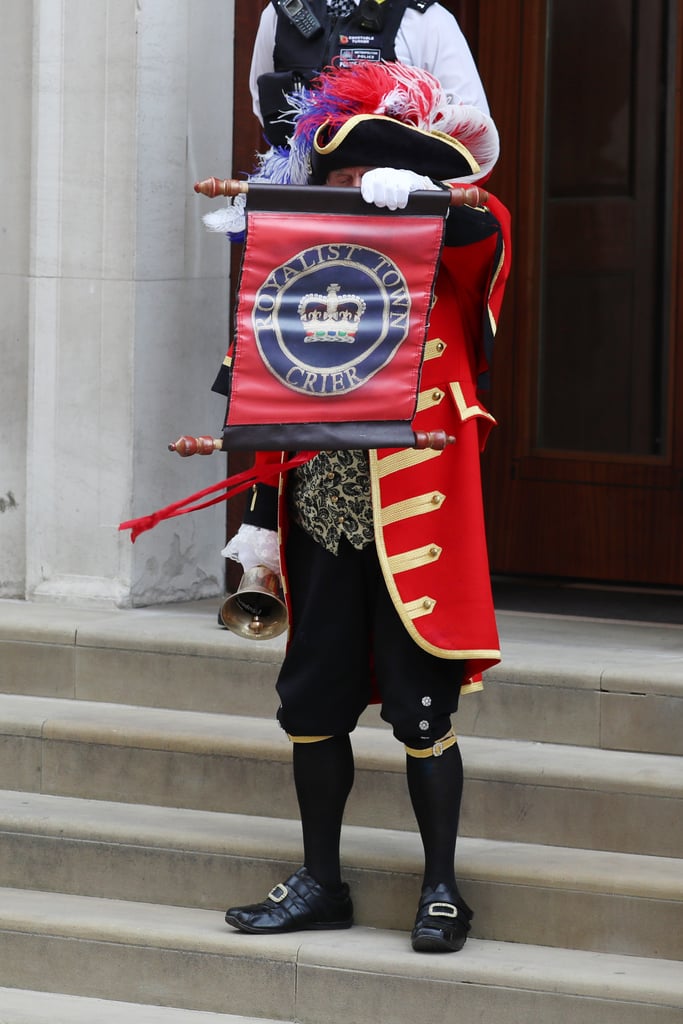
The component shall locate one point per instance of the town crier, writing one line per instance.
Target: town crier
(383, 552)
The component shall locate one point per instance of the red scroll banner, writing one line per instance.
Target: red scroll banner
(332, 315)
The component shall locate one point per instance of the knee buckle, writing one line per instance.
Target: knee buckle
(436, 750)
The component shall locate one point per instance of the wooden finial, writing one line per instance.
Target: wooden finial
(435, 439)
(204, 445)
(213, 187)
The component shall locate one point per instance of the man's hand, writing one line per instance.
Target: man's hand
(386, 186)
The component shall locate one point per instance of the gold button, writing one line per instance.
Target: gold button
(340, 520)
(437, 395)
(329, 476)
(427, 603)
(434, 551)
(334, 498)
(437, 499)
(440, 346)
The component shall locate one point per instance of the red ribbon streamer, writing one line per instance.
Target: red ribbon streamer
(260, 472)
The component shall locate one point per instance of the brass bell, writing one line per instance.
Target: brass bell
(256, 610)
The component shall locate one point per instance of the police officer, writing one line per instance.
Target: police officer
(289, 50)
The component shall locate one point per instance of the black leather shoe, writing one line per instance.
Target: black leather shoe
(299, 904)
(442, 921)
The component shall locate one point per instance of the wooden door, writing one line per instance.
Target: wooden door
(585, 476)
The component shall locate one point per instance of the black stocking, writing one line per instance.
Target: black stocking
(323, 777)
(435, 787)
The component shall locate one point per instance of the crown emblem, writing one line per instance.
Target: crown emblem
(331, 317)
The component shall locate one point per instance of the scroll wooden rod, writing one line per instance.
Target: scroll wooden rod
(205, 445)
(465, 195)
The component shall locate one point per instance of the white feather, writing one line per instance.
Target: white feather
(229, 220)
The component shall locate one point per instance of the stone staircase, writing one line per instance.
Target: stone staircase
(145, 787)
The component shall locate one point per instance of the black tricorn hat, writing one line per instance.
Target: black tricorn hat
(375, 140)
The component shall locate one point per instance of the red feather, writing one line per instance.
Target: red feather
(409, 95)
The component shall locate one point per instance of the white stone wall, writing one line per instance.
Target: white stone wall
(116, 296)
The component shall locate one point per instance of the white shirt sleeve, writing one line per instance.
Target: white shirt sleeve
(432, 41)
(262, 57)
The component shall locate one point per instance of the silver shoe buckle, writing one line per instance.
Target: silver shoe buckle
(278, 893)
(443, 910)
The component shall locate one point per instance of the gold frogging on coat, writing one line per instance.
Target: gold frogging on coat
(434, 349)
(417, 506)
(405, 459)
(430, 399)
(421, 606)
(415, 559)
(376, 472)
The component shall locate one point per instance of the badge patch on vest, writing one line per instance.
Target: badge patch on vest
(357, 41)
(330, 318)
(353, 48)
(351, 55)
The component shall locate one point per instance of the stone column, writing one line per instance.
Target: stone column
(127, 296)
(15, 170)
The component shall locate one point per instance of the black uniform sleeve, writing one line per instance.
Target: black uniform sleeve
(261, 507)
(466, 225)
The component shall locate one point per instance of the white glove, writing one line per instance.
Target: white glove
(386, 186)
(252, 546)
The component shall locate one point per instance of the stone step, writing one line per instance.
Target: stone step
(19, 1006)
(113, 949)
(615, 685)
(175, 656)
(553, 896)
(517, 791)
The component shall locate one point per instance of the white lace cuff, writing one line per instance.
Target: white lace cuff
(253, 545)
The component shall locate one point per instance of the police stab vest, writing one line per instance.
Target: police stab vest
(368, 33)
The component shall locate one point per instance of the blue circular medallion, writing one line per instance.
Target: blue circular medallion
(331, 317)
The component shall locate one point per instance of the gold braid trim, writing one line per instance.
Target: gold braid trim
(307, 739)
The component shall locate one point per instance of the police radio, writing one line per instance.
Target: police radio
(301, 16)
